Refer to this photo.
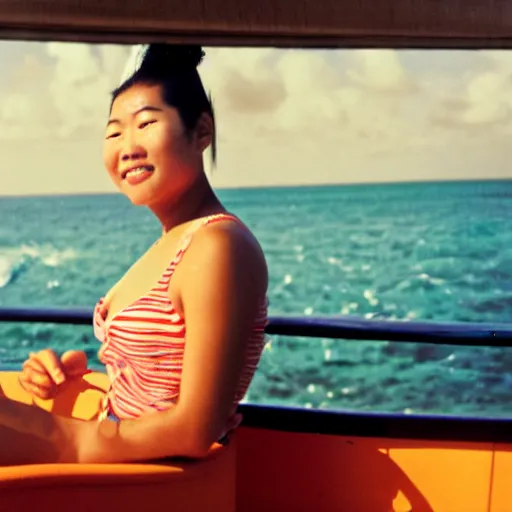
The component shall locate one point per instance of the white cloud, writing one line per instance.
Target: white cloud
(381, 71)
(66, 97)
(488, 99)
(81, 85)
(298, 96)
(483, 101)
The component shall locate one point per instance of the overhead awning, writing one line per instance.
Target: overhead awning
(282, 23)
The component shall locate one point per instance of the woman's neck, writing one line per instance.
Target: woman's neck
(199, 201)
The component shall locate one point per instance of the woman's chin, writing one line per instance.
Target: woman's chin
(138, 196)
(138, 199)
(139, 203)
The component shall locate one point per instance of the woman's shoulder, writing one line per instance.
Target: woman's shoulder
(228, 236)
(227, 245)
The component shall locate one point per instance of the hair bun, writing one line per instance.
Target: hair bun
(159, 60)
(169, 58)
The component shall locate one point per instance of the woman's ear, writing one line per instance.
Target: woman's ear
(204, 131)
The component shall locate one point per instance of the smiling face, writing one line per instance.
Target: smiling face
(148, 153)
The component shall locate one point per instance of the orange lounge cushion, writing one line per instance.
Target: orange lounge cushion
(176, 485)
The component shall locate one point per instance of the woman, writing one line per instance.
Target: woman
(182, 331)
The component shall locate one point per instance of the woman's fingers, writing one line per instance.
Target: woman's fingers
(39, 376)
(45, 390)
(51, 364)
(43, 372)
(41, 380)
(35, 373)
(32, 363)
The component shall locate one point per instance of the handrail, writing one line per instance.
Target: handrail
(342, 327)
(337, 422)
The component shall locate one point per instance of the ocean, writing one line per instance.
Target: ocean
(413, 251)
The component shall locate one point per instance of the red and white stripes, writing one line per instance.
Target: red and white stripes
(143, 346)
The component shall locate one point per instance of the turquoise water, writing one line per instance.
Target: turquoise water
(403, 251)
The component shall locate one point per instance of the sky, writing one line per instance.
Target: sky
(284, 117)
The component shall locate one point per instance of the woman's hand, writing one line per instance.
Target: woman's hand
(44, 372)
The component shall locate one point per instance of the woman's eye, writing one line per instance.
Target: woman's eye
(113, 135)
(146, 123)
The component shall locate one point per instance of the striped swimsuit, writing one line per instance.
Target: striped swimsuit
(143, 345)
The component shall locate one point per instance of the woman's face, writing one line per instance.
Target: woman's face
(147, 152)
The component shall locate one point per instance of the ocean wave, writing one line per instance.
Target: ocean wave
(10, 269)
(15, 260)
(5, 272)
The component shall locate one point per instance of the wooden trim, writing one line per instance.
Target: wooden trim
(301, 23)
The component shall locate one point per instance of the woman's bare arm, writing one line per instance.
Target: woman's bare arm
(31, 435)
(225, 280)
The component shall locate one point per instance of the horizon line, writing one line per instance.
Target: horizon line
(267, 187)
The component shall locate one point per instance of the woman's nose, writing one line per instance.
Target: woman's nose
(133, 154)
(132, 150)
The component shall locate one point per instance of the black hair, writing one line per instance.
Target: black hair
(174, 67)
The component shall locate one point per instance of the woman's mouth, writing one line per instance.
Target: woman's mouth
(136, 175)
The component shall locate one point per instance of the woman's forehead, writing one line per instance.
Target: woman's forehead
(138, 97)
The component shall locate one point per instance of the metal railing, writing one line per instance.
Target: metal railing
(348, 423)
(342, 327)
